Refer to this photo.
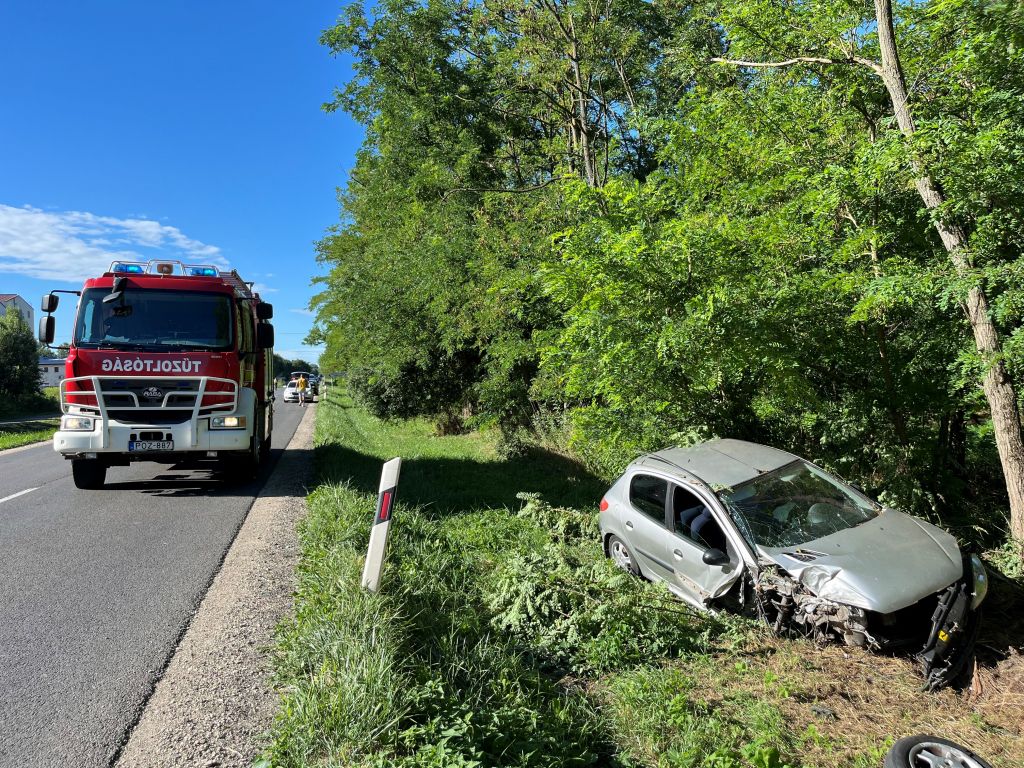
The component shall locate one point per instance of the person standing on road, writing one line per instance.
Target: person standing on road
(300, 385)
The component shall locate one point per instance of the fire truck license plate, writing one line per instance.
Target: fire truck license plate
(150, 445)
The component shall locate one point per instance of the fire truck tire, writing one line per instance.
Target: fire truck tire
(88, 474)
(265, 445)
(246, 466)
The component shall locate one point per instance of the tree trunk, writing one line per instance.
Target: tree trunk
(999, 389)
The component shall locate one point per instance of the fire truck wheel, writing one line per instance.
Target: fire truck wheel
(246, 466)
(89, 474)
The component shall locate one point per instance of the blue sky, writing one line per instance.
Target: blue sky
(188, 129)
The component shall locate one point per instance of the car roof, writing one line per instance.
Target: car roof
(718, 463)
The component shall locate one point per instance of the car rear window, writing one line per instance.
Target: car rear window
(648, 494)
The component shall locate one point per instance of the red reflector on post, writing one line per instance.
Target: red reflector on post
(604, 505)
(385, 507)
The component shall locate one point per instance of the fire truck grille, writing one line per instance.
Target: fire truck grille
(119, 392)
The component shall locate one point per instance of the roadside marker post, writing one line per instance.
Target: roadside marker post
(381, 524)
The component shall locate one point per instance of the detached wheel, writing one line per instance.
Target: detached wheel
(923, 751)
(622, 556)
(89, 474)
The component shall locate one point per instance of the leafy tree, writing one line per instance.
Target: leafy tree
(19, 357)
(657, 222)
(850, 36)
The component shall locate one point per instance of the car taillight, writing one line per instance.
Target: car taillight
(604, 505)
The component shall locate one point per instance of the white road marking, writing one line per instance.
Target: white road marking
(16, 495)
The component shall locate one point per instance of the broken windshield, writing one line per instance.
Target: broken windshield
(795, 504)
(154, 320)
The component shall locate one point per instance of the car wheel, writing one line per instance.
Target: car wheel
(88, 474)
(622, 556)
(923, 751)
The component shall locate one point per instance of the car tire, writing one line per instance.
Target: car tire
(88, 474)
(622, 555)
(923, 751)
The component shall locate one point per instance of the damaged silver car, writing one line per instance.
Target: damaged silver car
(736, 525)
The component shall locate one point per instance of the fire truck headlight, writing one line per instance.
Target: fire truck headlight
(76, 424)
(227, 422)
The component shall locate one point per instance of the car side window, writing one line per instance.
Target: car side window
(693, 520)
(648, 494)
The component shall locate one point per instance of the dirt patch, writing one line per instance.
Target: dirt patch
(848, 701)
(216, 699)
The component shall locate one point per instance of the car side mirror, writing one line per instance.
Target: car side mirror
(47, 327)
(264, 335)
(49, 303)
(715, 557)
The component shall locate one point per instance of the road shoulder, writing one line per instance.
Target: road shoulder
(216, 698)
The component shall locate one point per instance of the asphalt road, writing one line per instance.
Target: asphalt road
(96, 588)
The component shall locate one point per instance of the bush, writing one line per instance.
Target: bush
(19, 356)
(575, 611)
(438, 387)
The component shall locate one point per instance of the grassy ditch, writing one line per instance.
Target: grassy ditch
(14, 432)
(501, 636)
(41, 403)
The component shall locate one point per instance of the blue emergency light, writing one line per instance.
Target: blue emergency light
(202, 271)
(128, 268)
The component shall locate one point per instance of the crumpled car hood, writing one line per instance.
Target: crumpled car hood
(883, 565)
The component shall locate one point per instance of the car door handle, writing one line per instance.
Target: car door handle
(677, 554)
(629, 525)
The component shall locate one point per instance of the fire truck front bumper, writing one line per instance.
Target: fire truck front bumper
(146, 442)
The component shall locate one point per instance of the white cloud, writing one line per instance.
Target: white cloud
(72, 245)
(262, 289)
(306, 312)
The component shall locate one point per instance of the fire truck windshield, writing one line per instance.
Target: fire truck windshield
(155, 320)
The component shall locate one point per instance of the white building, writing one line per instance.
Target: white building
(10, 301)
(51, 371)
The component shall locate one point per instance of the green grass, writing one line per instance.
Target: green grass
(24, 433)
(501, 636)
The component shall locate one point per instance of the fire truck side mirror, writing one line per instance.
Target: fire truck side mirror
(265, 335)
(46, 329)
(49, 303)
(264, 311)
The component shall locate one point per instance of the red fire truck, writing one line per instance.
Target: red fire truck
(168, 362)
